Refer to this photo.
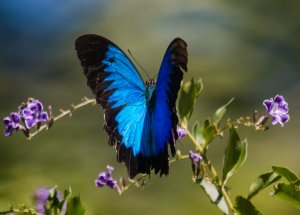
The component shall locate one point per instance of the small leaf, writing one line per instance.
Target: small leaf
(289, 193)
(74, 206)
(208, 131)
(286, 173)
(214, 194)
(219, 114)
(197, 133)
(262, 182)
(235, 154)
(245, 207)
(188, 95)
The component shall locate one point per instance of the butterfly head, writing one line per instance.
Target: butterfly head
(150, 83)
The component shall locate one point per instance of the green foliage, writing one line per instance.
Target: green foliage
(235, 154)
(208, 131)
(289, 193)
(188, 95)
(56, 207)
(74, 206)
(286, 173)
(197, 133)
(205, 133)
(245, 207)
(220, 113)
(262, 182)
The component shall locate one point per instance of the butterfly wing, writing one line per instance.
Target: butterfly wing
(164, 118)
(120, 91)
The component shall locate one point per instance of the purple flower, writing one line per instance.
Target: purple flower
(181, 132)
(11, 123)
(105, 179)
(33, 113)
(278, 109)
(41, 199)
(195, 157)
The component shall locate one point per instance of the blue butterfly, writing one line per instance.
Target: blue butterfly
(140, 118)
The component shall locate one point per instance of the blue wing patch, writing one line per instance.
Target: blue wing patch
(164, 130)
(140, 120)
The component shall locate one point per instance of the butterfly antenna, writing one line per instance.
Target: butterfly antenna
(139, 64)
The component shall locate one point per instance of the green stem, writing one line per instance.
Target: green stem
(20, 211)
(213, 172)
(198, 146)
(227, 200)
(63, 113)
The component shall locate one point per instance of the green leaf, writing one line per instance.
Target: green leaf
(219, 114)
(245, 207)
(289, 193)
(188, 95)
(235, 154)
(208, 131)
(262, 182)
(75, 207)
(286, 173)
(214, 194)
(197, 133)
(205, 133)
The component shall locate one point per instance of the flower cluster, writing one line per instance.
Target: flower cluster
(30, 113)
(278, 109)
(11, 123)
(105, 179)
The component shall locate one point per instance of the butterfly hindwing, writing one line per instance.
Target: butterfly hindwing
(164, 130)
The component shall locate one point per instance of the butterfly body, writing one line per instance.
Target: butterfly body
(140, 118)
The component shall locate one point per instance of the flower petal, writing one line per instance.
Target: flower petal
(285, 118)
(27, 113)
(8, 131)
(43, 117)
(111, 183)
(30, 123)
(279, 99)
(15, 117)
(268, 104)
(7, 121)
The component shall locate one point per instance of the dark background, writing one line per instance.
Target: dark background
(246, 50)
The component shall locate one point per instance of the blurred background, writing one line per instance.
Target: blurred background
(249, 50)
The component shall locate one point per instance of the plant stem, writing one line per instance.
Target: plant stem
(227, 200)
(213, 172)
(6, 212)
(20, 211)
(198, 146)
(63, 113)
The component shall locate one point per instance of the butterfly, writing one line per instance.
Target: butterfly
(140, 118)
